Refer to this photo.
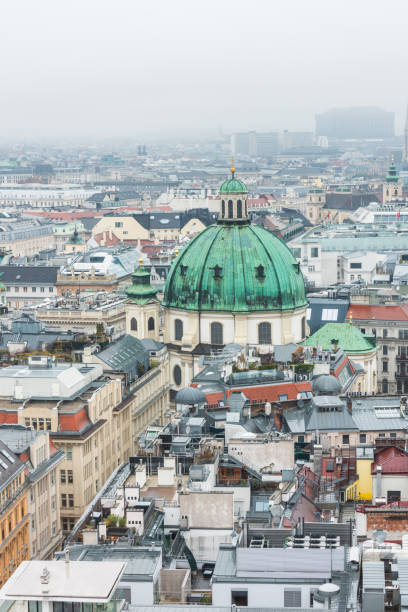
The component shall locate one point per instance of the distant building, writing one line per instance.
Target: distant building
(256, 144)
(355, 122)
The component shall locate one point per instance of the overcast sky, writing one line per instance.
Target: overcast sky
(178, 67)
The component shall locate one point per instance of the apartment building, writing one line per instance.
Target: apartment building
(42, 459)
(27, 285)
(44, 196)
(26, 238)
(14, 516)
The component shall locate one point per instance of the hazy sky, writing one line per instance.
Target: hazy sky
(168, 67)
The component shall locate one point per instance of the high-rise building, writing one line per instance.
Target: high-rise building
(256, 144)
(405, 150)
(359, 122)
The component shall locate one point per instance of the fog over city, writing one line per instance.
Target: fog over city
(157, 69)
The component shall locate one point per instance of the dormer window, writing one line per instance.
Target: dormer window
(183, 270)
(260, 272)
(217, 272)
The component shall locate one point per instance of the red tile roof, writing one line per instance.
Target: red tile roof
(379, 313)
(269, 393)
(303, 508)
(73, 422)
(392, 460)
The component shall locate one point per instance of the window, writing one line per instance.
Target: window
(283, 397)
(351, 277)
(48, 424)
(303, 325)
(301, 439)
(264, 333)
(292, 598)
(216, 333)
(71, 500)
(63, 500)
(393, 434)
(384, 386)
(16, 289)
(150, 324)
(346, 439)
(393, 496)
(42, 289)
(230, 209)
(25, 289)
(385, 349)
(385, 365)
(314, 252)
(177, 375)
(239, 598)
(385, 333)
(356, 265)
(239, 209)
(118, 224)
(223, 208)
(133, 324)
(69, 453)
(362, 329)
(330, 314)
(330, 465)
(70, 476)
(34, 289)
(63, 476)
(403, 334)
(363, 438)
(178, 329)
(381, 435)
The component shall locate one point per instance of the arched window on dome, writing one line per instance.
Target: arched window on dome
(246, 208)
(150, 324)
(395, 191)
(216, 333)
(230, 210)
(133, 324)
(178, 329)
(303, 331)
(223, 208)
(239, 209)
(264, 333)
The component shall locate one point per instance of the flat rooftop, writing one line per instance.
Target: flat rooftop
(87, 581)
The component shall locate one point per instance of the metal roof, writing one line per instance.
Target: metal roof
(403, 576)
(373, 575)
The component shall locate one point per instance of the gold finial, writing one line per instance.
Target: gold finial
(351, 317)
(232, 167)
(392, 159)
(176, 252)
(140, 261)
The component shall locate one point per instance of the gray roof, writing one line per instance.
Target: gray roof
(10, 464)
(17, 437)
(373, 575)
(367, 419)
(281, 564)
(141, 563)
(29, 275)
(125, 354)
(283, 352)
(329, 414)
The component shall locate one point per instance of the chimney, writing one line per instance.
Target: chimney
(378, 488)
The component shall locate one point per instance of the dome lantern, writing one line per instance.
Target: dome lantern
(234, 200)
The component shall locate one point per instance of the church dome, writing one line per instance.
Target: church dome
(233, 185)
(235, 267)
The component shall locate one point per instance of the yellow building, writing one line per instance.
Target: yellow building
(14, 517)
(362, 487)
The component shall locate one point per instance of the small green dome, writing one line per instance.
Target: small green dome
(233, 185)
(235, 268)
(140, 291)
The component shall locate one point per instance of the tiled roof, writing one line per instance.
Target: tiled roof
(269, 393)
(392, 460)
(73, 421)
(380, 313)
(17, 275)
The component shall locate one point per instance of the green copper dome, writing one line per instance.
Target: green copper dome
(235, 268)
(233, 185)
(140, 291)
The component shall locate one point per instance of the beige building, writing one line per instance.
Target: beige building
(123, 226)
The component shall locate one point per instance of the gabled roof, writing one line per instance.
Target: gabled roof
(379, 313)
(392, 460)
